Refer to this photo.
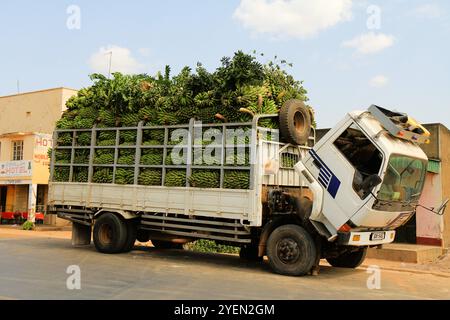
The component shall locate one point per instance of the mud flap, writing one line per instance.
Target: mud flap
(81, 234)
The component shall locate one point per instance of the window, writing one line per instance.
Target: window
(17, 150)
(361, 153)
(404, 179)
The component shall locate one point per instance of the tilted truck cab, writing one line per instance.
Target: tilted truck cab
(366, 176)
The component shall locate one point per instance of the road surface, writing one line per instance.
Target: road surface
(36, 268)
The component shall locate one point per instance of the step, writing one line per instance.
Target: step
(411, 253)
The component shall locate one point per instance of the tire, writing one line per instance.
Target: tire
(291, 250)
(295, 122)
(350, 260)
(250, 253)
(110, 234)
(159, 244)
(143, 236)
(131, 235)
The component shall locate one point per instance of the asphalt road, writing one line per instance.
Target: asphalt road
(36, 268)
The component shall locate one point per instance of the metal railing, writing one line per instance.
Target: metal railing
(190, 148)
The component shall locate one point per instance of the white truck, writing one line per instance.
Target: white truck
(305, 201)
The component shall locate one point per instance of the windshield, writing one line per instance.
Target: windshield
(404, 179)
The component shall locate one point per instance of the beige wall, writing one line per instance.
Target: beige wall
(33, 112)
(40, 171)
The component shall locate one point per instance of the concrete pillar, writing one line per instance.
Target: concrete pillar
(32, 195)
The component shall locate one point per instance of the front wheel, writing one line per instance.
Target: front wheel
(350, 259)
(291, 250)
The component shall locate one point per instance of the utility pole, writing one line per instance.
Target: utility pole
(18, 87)
(110, 63)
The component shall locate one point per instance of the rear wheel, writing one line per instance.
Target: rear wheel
(159, 244)
(352, 259)
(110, 234)
(131, 235)
(291, 250)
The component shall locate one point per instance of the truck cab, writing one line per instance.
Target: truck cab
(366, 176)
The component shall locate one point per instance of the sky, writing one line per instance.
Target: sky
(349, 53)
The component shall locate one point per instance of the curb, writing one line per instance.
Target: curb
(434, 273)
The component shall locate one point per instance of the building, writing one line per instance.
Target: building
(426, 227)
(430, 228)
(27, 122)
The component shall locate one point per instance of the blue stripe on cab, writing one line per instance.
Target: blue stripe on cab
(326, 177)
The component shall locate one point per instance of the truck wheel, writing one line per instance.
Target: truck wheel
(291, 250)
(349, 259)
(159, 244)
(131, 235)
(110, 234)
(295, 122)
(250, 253)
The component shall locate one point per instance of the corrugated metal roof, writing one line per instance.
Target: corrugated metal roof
(434, 166)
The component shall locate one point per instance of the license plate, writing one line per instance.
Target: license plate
(376, 236)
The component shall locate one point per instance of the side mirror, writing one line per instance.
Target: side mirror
(441, 209)
(370, 182)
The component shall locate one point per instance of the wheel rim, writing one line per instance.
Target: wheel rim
(288, 251)
(105, 234)
(299, 121)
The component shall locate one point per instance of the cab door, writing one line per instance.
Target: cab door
(340, 164)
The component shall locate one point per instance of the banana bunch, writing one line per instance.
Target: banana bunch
(236, 179)
(62, 156)
(104, 156)
(106, 143)
(65, 139)
(106, 135)
(130, 120)
(61, 174)
(147, 114)
(84, 139)
(127, 156)
(153, 137)
(128, 137)
(205, 179)
(124, 176)
(152, 157)
(175, 178)
(102, 175)
(107, 118)
(80, 174)
(150, 177)
(65, 122)
(81, 157)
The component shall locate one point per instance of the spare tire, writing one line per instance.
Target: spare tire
(295, 122)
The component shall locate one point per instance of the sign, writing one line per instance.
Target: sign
(42, 142)
(14, 169)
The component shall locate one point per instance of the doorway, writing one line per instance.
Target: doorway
(3, 194)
